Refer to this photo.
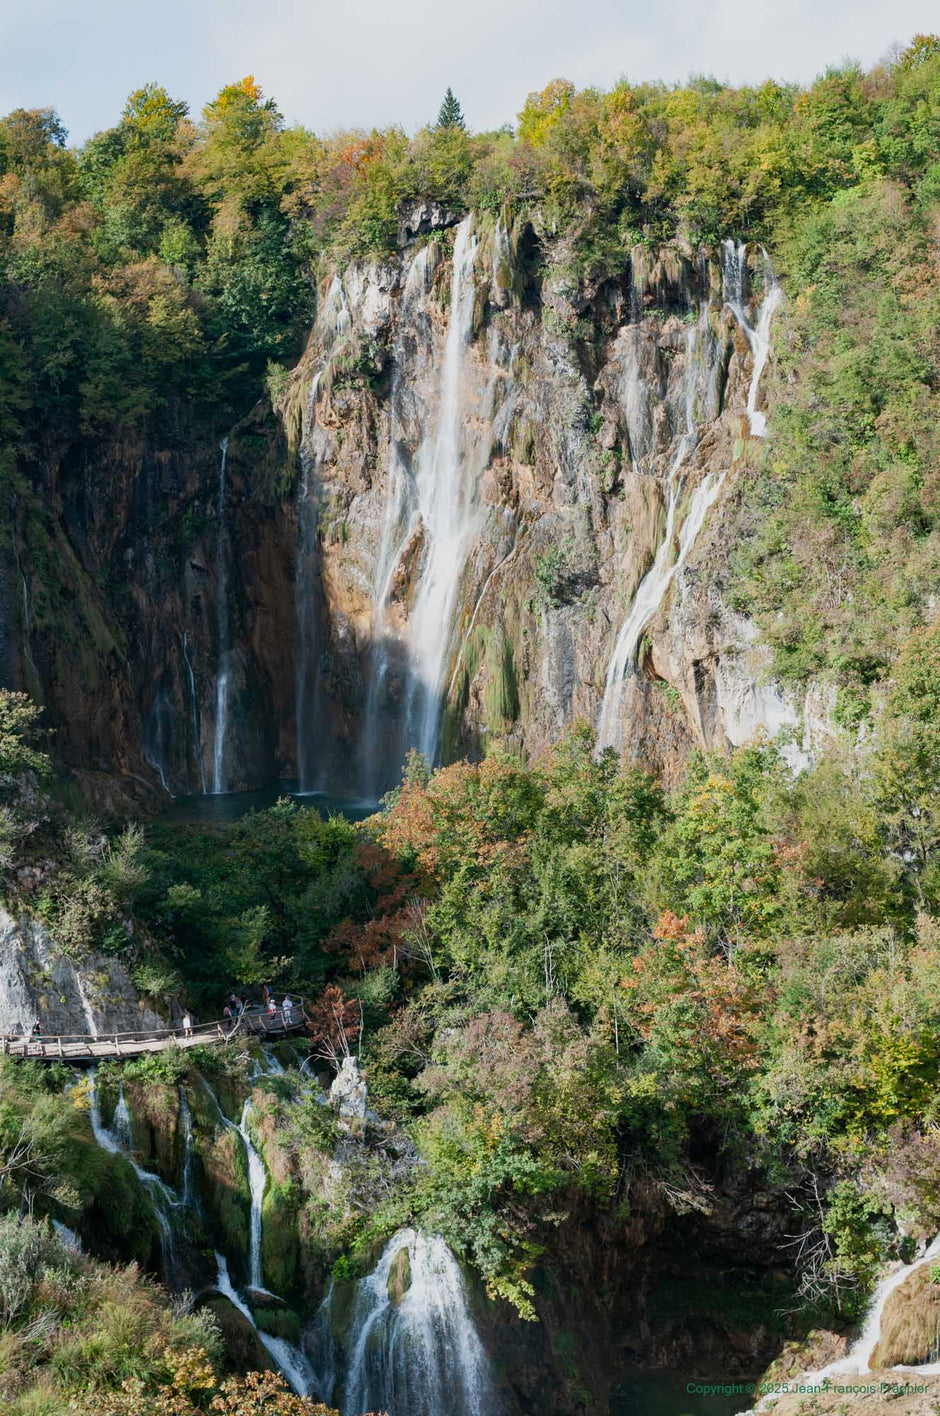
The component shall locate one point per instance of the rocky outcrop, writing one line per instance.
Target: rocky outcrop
(37, 982)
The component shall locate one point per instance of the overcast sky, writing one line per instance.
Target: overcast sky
(336, 63)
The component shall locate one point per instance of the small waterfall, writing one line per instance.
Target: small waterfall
(417, 1356)
(734, 275)
(194, 705)
(222, 671)
(446, 499)
(88, 1012)
(121, 1127)
(699, 402)
(257, 1184)
(117, 1141)
(857, 1361)
(288, 1358)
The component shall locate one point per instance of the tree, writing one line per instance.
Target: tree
(450, 114)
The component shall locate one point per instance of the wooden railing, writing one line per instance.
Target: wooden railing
(75, 1046)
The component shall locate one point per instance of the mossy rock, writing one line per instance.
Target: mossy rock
(279, 1320)
(399, 1276)
(224, 1188)
(244, 1350)
(910, 1322)
(280, 1240)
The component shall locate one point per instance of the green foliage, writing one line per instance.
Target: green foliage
(450, 114)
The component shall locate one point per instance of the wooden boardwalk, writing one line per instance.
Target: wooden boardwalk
(88, 1047)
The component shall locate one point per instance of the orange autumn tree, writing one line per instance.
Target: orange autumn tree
(695, 1012)
(334, 1023)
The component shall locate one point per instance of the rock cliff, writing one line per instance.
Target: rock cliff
(498, 493)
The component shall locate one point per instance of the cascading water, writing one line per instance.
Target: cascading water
(194, 706)
(117, 1140)
(289, 1359)
(257, 1184)
(417, 1356)
(700, 402)
(399, 521)
(857, 1361)
(447, 503)
(307, 514)
(222, 634)
(734, 275)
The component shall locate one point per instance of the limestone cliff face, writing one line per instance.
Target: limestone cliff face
(95, 996)
(602, 434)
(498, 495)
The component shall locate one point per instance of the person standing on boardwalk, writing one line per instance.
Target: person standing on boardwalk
(187, 1024)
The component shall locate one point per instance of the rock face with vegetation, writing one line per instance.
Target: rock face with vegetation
(573, 490)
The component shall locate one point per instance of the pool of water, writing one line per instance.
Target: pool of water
(664, 1394)
(223, 807)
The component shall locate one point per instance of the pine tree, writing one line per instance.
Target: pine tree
(451, 114)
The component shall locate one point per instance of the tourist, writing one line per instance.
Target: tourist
(187, 1024)
(227, 1015)
(272, 1011)
(265, 996)
(287, 1008)
(37, 1029)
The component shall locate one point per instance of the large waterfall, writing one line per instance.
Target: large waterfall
(222, 669)
(412, 1348)
(447, 502)
(700, 405)
(400, 522)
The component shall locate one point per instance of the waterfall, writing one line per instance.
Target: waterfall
(699, 401)
(734, 275)
(857, 1361)
(117, 1141)
(194, 705)
(222, 671)
(399, 522)
(288, 1358)
(447, 506)
(417, 1356)
(257, 1184)
(87, 1010)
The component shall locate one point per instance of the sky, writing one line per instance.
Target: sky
(368, 63)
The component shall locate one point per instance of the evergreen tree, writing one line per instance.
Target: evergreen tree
(451, 114)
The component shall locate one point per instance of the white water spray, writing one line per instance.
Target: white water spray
(288, 1358)
(734, 274)
(418, 1356)
(699, 397)
(447, 503)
